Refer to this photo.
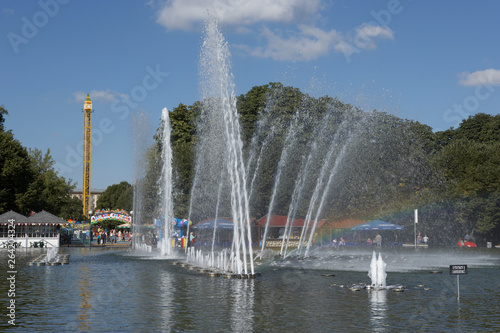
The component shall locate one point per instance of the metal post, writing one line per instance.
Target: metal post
(415, 227)
(415, 232)
(458, 287)
(90, 229)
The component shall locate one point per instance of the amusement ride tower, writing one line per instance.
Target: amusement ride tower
(87, 138)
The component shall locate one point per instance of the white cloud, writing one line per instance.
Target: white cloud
(308, 42)
(104, 96)
(311, 42)
(184, 14)
(480, 78)
(367, 33)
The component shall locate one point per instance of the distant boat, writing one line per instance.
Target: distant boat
(463, 243)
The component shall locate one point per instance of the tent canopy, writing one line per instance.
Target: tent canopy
(377, 225)
(209, 224)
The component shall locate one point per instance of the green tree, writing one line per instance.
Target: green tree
(183, 139)
(117, 196)
(28, 180)
(72, 209)
(470, 160)
(390, 164)
(48, 191)
(15, 170)
(3, 113)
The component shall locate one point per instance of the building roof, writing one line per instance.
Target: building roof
(280, 221)
(44, 217)
(5, 217)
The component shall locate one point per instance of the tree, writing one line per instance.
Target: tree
(3, 113)
(385, 164)
(16, 173)
(48, 191)
(117, 196)
(28, 180)
(470, 160)
(183, 138)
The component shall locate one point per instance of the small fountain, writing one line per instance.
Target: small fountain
(377, 271)
(51, 258)
(51, 255)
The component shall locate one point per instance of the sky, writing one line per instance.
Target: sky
(432, 62)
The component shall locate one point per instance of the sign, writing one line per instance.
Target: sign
(458, 269)
(111, 216)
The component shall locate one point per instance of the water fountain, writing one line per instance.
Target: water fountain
(51, 254)
(315, 154)
(377, 271)
(51, 258)
(166, 188)
(220, 156)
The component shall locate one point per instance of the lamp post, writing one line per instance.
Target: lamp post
(415, 224)
(90, 228)
(132, 242)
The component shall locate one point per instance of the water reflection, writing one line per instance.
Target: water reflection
(166, 299)
(85, 289)
(105, 290)
(242, 311)
(378, 307)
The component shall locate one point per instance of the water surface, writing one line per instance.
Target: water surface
(116, 290)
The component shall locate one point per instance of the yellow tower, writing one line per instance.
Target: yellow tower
(87, 138)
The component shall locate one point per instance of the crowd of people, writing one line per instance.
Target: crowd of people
(111, 236)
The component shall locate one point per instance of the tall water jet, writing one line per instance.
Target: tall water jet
(165, 187)
(221, 147)
(377, 271)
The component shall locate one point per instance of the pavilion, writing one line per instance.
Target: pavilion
(39, 230)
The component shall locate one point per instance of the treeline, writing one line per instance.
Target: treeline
(348, 164)
(29, 182)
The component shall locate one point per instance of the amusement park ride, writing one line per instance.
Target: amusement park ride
(87, 137)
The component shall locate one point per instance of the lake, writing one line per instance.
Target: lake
(106, 289)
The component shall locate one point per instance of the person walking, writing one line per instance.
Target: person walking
(191, 239)
(426, 239)
(378, 239)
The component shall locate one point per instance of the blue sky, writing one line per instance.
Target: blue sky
(432, 62)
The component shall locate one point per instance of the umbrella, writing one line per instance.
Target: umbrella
(377, 225)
